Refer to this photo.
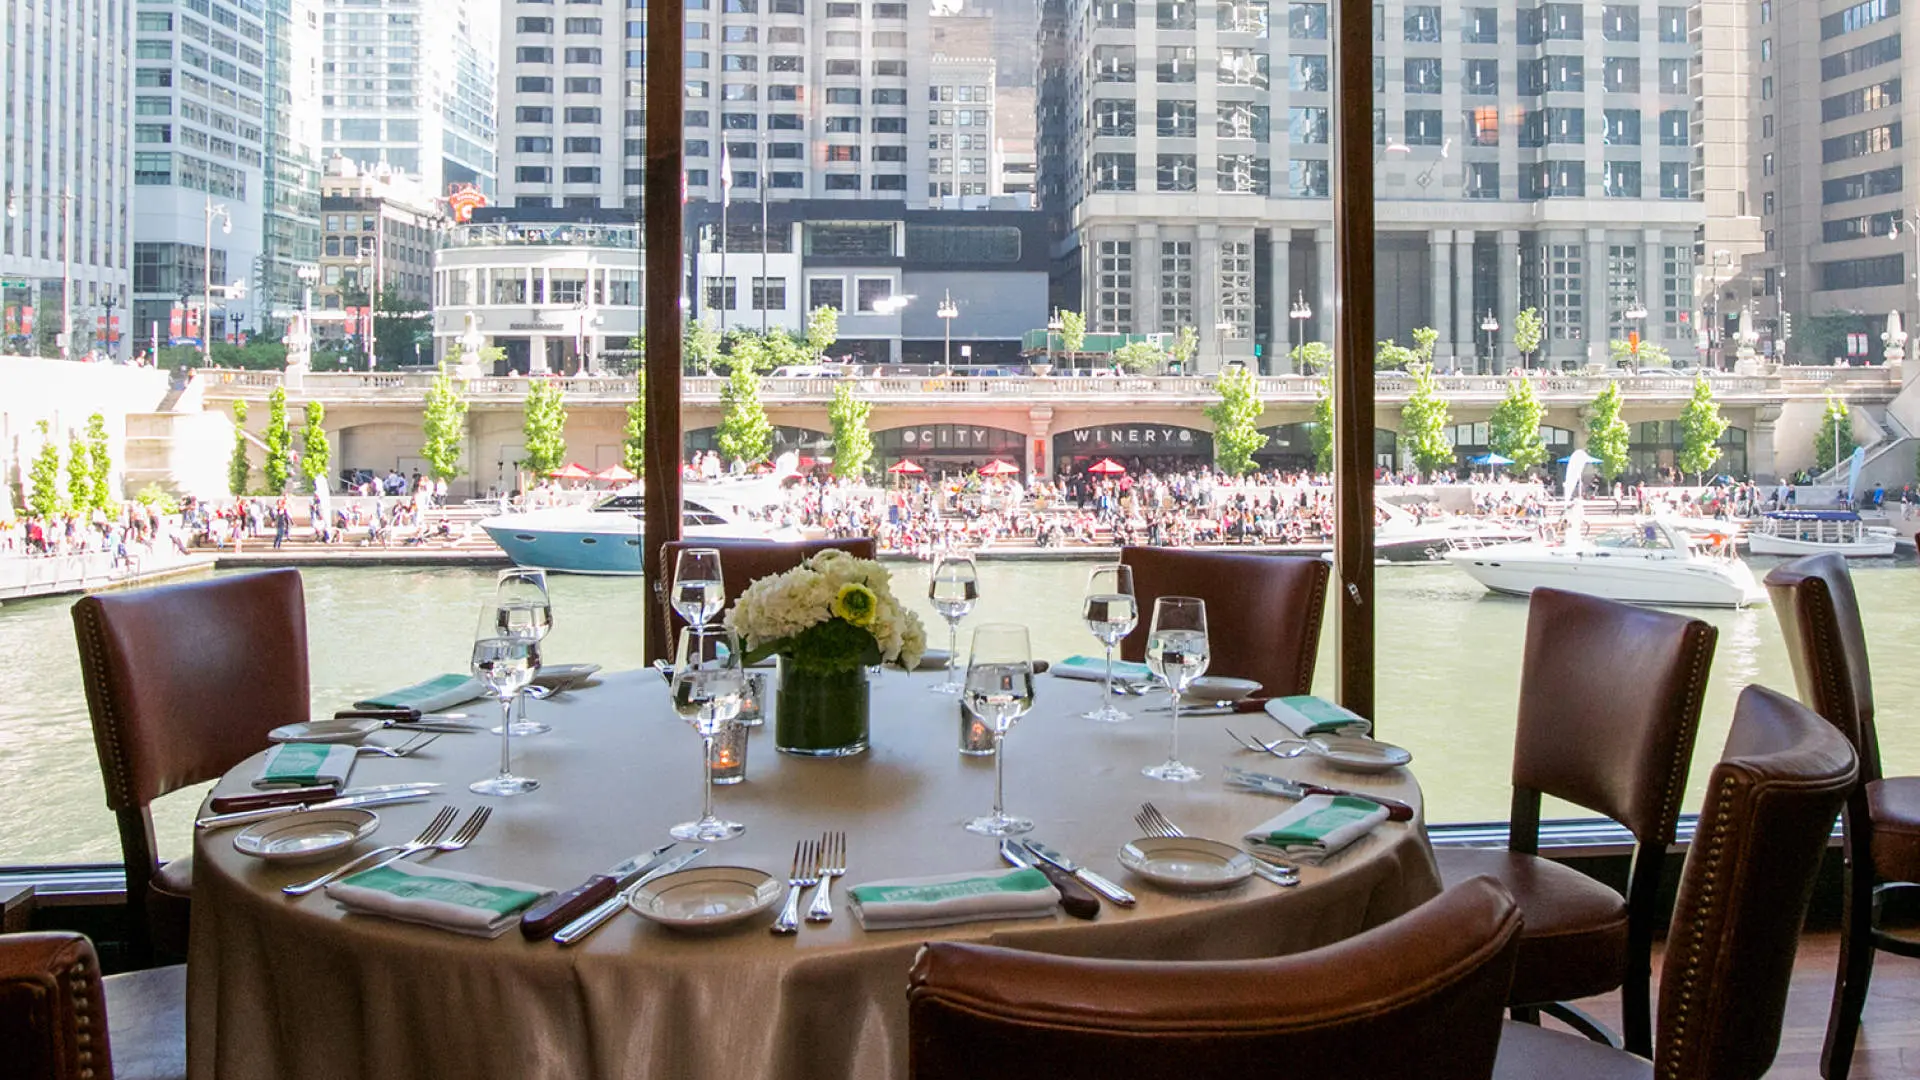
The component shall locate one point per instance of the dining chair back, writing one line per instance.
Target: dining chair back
(1418, 996)
(742, 562)
(183, 682)
(60, 1020)
(1263, 611)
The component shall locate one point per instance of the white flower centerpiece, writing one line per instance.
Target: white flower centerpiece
(827, 620)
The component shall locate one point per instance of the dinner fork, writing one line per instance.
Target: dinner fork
(1154, 823)
(461, 837)
(427, 838)
(806, 871)
(833, 863)
(406, 749)
(1294, 747)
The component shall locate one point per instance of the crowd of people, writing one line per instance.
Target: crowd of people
(135, 533)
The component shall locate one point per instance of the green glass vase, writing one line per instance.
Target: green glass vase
(816, 715)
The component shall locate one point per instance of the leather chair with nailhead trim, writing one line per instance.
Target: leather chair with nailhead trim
(1264, 612)
(60, 1020)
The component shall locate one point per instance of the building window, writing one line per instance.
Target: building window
(1176, 284)
(1307, 126)
(1113, 293)
(1566, 312)
(1239, 120)
(1482, 126)
(1307, 179)
(1422, 75)
(1861, 273)
(1619, 22)
(1176, 119)
(533, 54)
(1243, 67)
(1113, 63)
(1241, 17)
(1674, 178)
(769, 294)
(721, 293)
(1481, 77)
(1673, 76)
(1873, 140)
(1566, 73)
(1241, 174)
(870, 293)
(1622, 127)
(1421, 23)
(1623, 287)
(1307, 73)
(1864, 185)
(581, 174)
(1621, 75)
(1673, 24)
(1676, 289)
(1113, 117)
(823, 292)
(1174, 63)
(1113, 172)
(1673, 127)
(533, 174)
(1483, 180)
(1236, 289)
(1113, 14)
(1174, 15)
(1307, 22)
(1176, 172)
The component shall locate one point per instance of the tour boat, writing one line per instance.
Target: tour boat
(1651, 562)
(1403, 538)
(1805, 532)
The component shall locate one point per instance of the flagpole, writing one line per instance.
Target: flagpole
(726, 200)
(764, 276)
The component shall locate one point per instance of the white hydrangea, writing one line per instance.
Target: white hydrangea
(778, 607)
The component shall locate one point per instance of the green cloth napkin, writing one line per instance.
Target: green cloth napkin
(448, 899)
(1306, 715)
(440, 692)
(953, 898)
(298, 764)
(1094, 669)
(1317, 827)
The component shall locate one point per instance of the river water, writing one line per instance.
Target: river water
(1449, 658)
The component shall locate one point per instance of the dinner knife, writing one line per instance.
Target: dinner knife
(556, 911)
(1075, 899)
(1299, 789)
(576, 931)
(301, 796)
(1094, 881)
(378, 798)
(1244, 705)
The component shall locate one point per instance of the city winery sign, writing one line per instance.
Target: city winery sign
(934, 438)
(1142, 439)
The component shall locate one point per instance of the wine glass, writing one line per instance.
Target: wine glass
(522, 609)
(999, 691)
(1177, 655)
(708, 680)
(954, 588)
(1111, 613)
(699, 591)
(506, 665)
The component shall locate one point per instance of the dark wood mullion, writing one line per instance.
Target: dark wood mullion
(663, 192)
(1353, 206)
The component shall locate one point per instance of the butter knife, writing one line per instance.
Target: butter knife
(1267, 784)
(556, 911)
(221, 821)
(1075, 899)
(576, 931)
(1094, 881)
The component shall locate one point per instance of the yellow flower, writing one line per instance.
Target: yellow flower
(855, 603)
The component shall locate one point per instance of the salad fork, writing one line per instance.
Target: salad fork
(1294, 747)
(806, 871)
(833, 863)
(1154, 823)
(427, 838)
(406, 749)
(462, 836)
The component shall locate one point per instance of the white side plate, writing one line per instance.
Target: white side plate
(1186, 863)
(1220, 688)
(707, 898)
(1356, 754)
(305, 836)
(325, 731)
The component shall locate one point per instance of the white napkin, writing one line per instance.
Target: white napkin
(297, 764)
(1316, 827)
(1094, 669)
(448, 899)
(1306, 715)
(953, 898)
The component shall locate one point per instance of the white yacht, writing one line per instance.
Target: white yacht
(1404, 538)
(1806, 532)
(1651, 562)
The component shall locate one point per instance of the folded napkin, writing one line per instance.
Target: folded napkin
(448, 899)
(953, 898)
(1094, 669)
(1318, 826)
(298, 764)
(1305, 715)
(433, 695)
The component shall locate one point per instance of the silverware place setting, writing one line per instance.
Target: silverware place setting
(1153, 822)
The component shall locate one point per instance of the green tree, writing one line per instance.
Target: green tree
(1236, 420)
(100, 462)
(239, 469)
(852, 442)
(1423, 424)
(1425, 338)
(43, 478)
(1073, 331)
(1312, 356)
(316, 453)
(1652, 354)
(1701, 426)
(1138, 358)
(1513, 430)
(1390, 356)
(1822, 339)
(279, 442)
(1835, 439)
(744, 434)
(1185, 343)
(443, 426)
(1607, 434)
(700, 346)
(545, 428)
(402, 333)
(79, 476)
(823, 329)
(1527, 330)
(633, 438)
(1320, 436)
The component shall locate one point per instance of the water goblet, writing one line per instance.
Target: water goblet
(523, 609)
(1111, 613)
(1177, 654)
(707, 684)
(506, 665)
(954, 588)
(699, 590)
(999, 691)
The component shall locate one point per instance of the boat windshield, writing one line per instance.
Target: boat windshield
(1645, 537)
(621, 504)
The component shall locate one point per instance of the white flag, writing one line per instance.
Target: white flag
(726, 176)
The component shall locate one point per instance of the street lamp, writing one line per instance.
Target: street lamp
(1714, 331)
(948, 312)
(66, 261)
(1912, 225)
(1054, 326)
(213, 210)
(1220, 331)
(1636, 313)
(1490, 326)
(1300, 312)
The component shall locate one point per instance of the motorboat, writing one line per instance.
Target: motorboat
(1807, 532)
(1651, 562)
(1404, 538)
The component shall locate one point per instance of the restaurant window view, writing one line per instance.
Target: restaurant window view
(1092, 508)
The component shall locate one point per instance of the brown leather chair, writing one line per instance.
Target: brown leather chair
(59, 1020)
(1419, 996)
(1263, 611)
(1820, 618)
(184, 682)
(1609, 705)
(742, 562)
(1768, 812)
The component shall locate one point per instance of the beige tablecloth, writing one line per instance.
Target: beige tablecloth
(295, 989)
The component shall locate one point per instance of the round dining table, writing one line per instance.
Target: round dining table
(297, 989)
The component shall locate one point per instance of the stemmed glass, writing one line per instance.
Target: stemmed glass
(1177, 655)
(708, 680)
(522, 609)
(506, 664)
(999, 691)
(699, 591)
(1111, 613)
(954, 588)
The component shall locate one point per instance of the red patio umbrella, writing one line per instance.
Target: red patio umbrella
(906, 467)
(1107, 467)
(614, 474)
(573, 471)
(999, 468)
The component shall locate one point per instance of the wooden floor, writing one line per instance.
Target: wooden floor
(1889, 1043)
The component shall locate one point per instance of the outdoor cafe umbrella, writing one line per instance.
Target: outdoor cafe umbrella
(906, 467)
(1490, 459)
(999, 468)
(573, 471)
(1107, 467)
(614, 474)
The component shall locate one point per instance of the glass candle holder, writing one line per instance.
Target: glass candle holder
(976, 735)
(730, 754)
(753, 700)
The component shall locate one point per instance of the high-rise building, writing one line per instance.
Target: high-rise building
(65, 166)
(410, 85)
(290, 240)
(199, 137)
(379, 233)
(1526, 156)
